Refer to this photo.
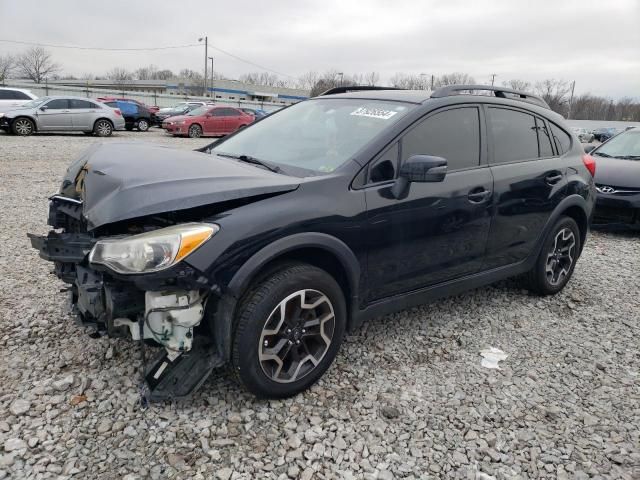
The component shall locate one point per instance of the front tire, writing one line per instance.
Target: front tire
(557, 260)
(288, 330)
(103, 128)
(195, 131)
(23, 126)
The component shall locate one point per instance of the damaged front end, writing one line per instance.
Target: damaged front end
(136, 286)
(125, 218)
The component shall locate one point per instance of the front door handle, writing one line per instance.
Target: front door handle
(552, 179)
(479, 195)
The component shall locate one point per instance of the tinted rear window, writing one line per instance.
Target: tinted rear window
(562, 139)
(514, 135)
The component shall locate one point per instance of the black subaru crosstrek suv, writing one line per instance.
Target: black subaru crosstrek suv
(262, 249)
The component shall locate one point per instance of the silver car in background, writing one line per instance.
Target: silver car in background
(12, 98)
(62, 114)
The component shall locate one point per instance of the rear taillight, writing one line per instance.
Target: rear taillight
(590, 163)
(118, 112)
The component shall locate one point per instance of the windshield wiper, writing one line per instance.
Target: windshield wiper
(252, 160)
(601, 154)
(629, 157)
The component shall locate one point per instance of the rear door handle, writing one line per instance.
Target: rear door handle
(553, 178)
(478, 195)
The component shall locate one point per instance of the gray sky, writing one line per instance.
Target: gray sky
(595, 42)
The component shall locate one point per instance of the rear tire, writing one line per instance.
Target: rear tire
(195, 131)
(557, 260)
(288, 329)
(103, 128)
(23, 126)
(143, 125)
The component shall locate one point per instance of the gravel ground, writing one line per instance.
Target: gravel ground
(406, 398)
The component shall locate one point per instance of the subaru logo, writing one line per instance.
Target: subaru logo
(606, 189)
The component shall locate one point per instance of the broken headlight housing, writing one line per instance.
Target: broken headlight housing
(151, 251)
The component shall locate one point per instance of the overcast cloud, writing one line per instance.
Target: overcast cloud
(596, 43)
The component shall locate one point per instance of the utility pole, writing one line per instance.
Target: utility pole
(573, 87)
(432, 80)
(212, 91)
(206, 61)
(341, 77)
(493, 78)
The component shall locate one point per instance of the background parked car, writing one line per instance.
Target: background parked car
(256, 112)
(11, 98)
(604, 134)
(152, 109)
(208, 121)
(62, 114)
(618, 180)
(179, 109)
(584, 135)
(135, 116)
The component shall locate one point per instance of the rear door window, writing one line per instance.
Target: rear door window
(562, 139)
(544, 139)
(452, 134)
(76, 104)
(514, 135)
(13, 95)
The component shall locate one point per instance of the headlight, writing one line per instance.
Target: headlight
(180, 123)
(151, 251)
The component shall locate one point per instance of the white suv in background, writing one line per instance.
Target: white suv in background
(11, 98)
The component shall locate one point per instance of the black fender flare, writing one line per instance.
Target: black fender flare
(573, 200)
(223, 316)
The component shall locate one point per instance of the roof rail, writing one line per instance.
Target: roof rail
(354, 88)
(500, 92)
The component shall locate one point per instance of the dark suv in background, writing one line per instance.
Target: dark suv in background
(263, 248)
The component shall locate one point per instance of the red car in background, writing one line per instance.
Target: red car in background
(114, 99)
(208, 121)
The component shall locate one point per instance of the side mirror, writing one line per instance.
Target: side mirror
(424, 168)
(44, 108)
(419, 168)
(589, 148)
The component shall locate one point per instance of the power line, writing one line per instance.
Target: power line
(77, 47)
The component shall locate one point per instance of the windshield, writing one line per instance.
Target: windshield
(34, 103)
(198, 111)
(626, 145)
(317, 135)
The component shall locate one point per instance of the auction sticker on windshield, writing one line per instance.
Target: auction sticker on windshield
(374, 113)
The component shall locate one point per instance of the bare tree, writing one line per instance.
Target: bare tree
(119, 75)
(189, 74)
(408, 81)
(555, 93)
(308, 80)
(36, 64)
(456, 78)
(371, 78)
(515, 84)
(164, 75)
(87, 76)
(7, 65)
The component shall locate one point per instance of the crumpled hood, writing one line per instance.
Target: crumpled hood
(128, 180)
(616, 172)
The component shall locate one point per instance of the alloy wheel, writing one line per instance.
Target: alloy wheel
(143, 125)
(296, 336)
(103, 128)
(23, 127)
(560, 258)
(195, 131)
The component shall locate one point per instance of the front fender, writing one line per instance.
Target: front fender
(221, 319)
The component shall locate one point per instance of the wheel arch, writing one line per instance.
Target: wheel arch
(103, 118)
(318, 249)
(573, 206)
